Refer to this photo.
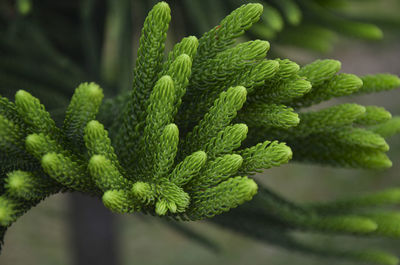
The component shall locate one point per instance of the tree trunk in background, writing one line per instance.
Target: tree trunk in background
(93, 234)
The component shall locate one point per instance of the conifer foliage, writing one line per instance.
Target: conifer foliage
(194, 127)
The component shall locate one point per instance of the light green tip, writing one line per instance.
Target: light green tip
(274, 65)
(286, 68)
(160, 13)
(49, 159)
(183, 58)
(171, 129)
(172, 207)
(295, 120)
(251, 187)
(352, 224)
(161, 208)
(289, 118)
(378, 161)
(23, 99)
(192, 39)
(381, 142)
(166, 84)
(236, 159)
(373, 32)
(94, 130)
(238, 95)
(333, 64)
(386, 163)
(141, 189)
(16, 180)
(110, 197)
(25, 102)
(93, 90)
(286, 153)
(367, 225)
(256, 47)
(200, 156)
(33, 140)
(118, 201)
(266, 45)
(94, 125)
(21, 94)
(292, 67)
(255, 8)
(354, 81)
(162, 5)
(96, 160)
(303, 85)
(242, 128)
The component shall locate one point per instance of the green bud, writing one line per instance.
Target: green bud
(39, 145)
(85, 104)
(34, 114)
(221, 198)
(379, 82)
(105, 175)
(264, 155)
(143, 191)
(319, 71)
(161, 207)
(286, 69)
(119, 201)
(188, 168)
(226, 140)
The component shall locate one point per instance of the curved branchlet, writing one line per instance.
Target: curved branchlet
(120, 201)
(224, 35)
(98, 143)
(320, 71)
(195, 125)
(186, 46)
(269, 115)
(148, 65)
(264, 155)
(226, 140)
(84, 106)
(337, 86)
(159, 114)
(105, 174)
(166, 151)
(35, 115)
(219, 116)
(226, 195)
(188, 168)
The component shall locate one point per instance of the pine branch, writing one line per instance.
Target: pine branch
(195, 125)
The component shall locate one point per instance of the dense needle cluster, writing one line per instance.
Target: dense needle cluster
(196, 124)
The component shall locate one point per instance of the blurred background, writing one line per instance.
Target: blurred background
(48, 47)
